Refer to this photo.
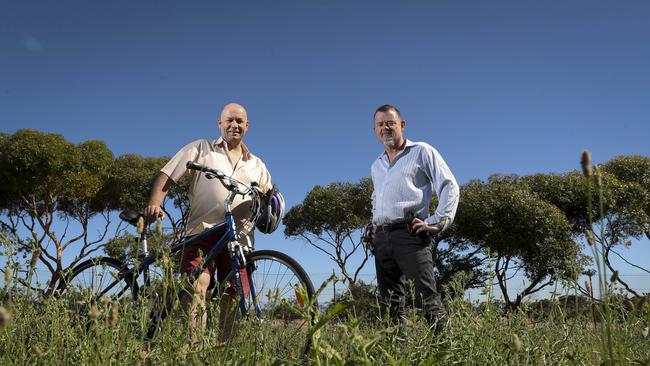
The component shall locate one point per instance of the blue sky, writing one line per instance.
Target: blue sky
(496, 86)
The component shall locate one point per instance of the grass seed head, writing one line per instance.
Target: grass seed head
(114, 315)
(105, 300)
(140, 225)
(182, 352)
(590, 238)
(5, 317)
(38, 352)
(159, 227)
(585, 161)
(614, 277)
(599, 177)
(588, 288)
(143, 355)
(94, 312)
(516, 343)
(9, 275)
(36, 254)
(628, 244)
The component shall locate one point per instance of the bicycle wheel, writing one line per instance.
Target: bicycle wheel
(99, 277)
(274, 276)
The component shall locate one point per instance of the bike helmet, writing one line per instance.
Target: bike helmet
(271, 211)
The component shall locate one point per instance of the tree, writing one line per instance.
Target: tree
(635, 171)
(628, 178)
(453, 254)
(51, 190)
(328, 218)
(625, 194)
(130, 181)
(45, 179)
(520, 231)
(128, 188)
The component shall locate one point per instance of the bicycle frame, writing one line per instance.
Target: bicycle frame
(228, 237)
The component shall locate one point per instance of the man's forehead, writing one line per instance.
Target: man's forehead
(386, 116)
(233, 112)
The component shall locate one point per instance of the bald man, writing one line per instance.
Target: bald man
(229, 155)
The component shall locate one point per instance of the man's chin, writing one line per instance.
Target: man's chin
(232, 139)
(389, 143)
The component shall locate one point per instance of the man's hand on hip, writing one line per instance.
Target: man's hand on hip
(420, 226)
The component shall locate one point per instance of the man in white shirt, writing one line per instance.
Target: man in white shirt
(229, 155)
(404, 177)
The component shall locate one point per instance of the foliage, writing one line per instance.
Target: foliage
(43, 178)
(51, 190)
(522, 231)
(328, 219)
(46, 331)
(635, 195)
(625, 196)
(363, 300)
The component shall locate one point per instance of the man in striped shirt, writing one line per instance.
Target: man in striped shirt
(404, 177)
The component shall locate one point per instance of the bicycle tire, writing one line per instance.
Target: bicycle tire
(92, 278)
(274, 276)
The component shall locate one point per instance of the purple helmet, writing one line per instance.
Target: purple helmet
(271, 212)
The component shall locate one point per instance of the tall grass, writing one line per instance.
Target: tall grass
(49, 331)
(566, 330)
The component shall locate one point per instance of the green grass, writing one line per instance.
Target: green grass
(50, 332)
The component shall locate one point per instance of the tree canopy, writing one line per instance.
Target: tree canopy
(327, 219)
(50, 190)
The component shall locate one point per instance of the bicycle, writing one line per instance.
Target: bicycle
(272, 275)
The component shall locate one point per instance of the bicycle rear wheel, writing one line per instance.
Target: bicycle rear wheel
(99, 277)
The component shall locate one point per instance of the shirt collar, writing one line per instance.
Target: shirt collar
(407, 144)
(246, 154)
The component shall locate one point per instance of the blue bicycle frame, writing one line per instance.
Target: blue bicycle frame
(228, 236)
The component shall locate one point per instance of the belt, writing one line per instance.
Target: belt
(391, 226)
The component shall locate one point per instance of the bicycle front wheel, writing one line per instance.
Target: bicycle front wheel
(275, 277)
(99, 277)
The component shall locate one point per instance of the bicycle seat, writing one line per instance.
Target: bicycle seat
(131, 216)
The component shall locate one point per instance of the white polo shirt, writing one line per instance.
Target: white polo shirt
(207, 196)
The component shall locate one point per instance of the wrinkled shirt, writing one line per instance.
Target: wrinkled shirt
(404, 187)
(207, 196)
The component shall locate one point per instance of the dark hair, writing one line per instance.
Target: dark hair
(387, 107)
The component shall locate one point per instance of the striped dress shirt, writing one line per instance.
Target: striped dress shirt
(404, 187)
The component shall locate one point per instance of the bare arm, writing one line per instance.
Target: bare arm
(159, 190)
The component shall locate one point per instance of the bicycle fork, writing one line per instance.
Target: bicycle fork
(239, 262)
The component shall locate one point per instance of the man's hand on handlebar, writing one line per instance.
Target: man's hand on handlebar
(153, 212)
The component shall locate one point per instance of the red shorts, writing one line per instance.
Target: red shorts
(190, 259)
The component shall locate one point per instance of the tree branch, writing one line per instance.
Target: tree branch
(628, 262)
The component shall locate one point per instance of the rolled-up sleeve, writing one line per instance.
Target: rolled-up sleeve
(445, 185)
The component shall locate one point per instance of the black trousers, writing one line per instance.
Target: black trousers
(401, 255)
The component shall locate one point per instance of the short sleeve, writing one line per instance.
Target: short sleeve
(176, 167)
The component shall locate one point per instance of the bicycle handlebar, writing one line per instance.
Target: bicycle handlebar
(229, 183)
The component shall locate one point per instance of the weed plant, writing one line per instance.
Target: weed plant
(36, 331)
(567, 330)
